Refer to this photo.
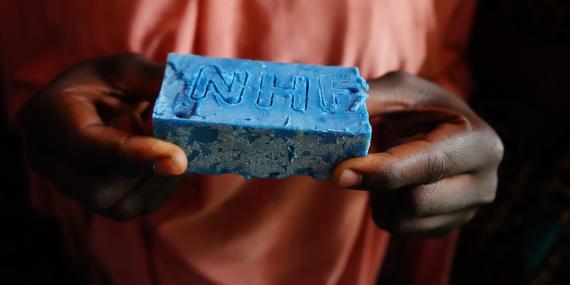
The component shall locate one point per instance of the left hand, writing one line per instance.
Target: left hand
(85, 132)
(432, 162)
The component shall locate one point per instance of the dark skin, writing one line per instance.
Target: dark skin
(433, 161)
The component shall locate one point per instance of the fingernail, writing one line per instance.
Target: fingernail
(349, 178)
(164, 166)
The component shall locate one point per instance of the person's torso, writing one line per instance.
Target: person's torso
(224, 229)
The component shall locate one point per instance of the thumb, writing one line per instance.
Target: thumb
(101, 148)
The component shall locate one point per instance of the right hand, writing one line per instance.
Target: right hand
(85, 133)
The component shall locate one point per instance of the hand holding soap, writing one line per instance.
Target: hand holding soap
(262, 119)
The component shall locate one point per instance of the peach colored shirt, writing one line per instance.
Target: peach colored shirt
(224, 229)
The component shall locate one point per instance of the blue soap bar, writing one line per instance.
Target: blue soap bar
(262, 119)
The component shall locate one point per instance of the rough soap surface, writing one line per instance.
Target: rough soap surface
(262, 119)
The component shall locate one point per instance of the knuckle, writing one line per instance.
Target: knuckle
(496, 148)
(391, 176)
(488, 198)
(436, 167)
(489, 191)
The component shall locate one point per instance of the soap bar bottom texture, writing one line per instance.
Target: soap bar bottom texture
(261, 153)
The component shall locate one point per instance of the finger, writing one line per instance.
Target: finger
(91, 145)
(136, 77)
(425, 227)
(120, 151)
(453, 194)
(147, 197)
(449, 150)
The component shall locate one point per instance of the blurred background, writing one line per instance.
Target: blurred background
(519, 56)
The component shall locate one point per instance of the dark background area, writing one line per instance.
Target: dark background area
(520, 56)
(31, 249)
